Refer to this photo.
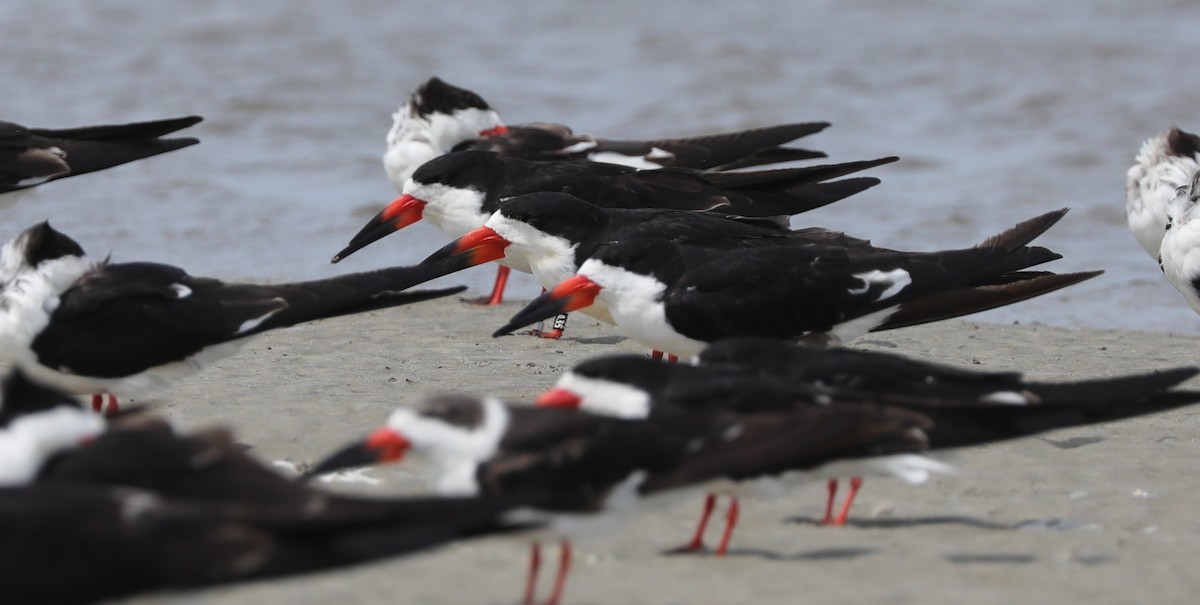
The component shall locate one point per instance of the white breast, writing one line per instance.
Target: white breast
(635, 304)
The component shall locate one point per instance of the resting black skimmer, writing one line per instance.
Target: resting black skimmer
(676, 299)
(572, 462)
(125, 328)
(142, 508)
(554, 233)
(458, 192)
(32, 156)
(1165, 162)
(1179, 252)
(959, 407)
(439, 118)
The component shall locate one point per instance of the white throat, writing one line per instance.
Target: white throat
(456, 211)
(635, 304)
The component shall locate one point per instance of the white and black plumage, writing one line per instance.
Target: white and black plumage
(77, 543)
(137, 507)
(554, 233)
(440, 118)
(676, 299)
(124, 328)
(1179, 252)
(960, 407)
(459, 191)
(1165, 162)
(36, 424)
(566, 461)
(32, 156)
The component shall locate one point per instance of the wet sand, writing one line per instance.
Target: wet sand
(1104, 513)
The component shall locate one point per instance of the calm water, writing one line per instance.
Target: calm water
(1000, 109)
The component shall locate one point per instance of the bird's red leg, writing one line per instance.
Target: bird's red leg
(497, 295)
(697, 543)
(855, 483)
(832, 486)
(560, 580)
(98, 403)
(535, 563)
(672, 358)
(560, 322)
(113, 406)
(656, 354)
(731, 520)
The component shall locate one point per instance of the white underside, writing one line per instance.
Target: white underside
(859, 326)
(136, 385)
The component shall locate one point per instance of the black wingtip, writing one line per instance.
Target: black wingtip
(1025, 231)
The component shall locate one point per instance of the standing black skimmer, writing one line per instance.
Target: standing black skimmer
(32, 156)
(143, 508)
(458, 192)
(566, 461)
(125, 328)
(440, 118)
(1179, 252)
(960, 407)
(676, 299)
(1165, 162)
(554, 233)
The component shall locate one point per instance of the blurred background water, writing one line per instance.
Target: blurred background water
(1000, 109)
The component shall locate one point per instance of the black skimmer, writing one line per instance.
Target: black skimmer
(440, 118)
(1165, 162)
(558, 460)
(1179, 252)
(125, 328)
(459, 191)
(566, 461)
(554, 233)
(113, 541)
(676, 298)
(143, 508)
(32, 156)
(960, 407)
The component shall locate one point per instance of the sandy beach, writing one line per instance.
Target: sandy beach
(1104, 513)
